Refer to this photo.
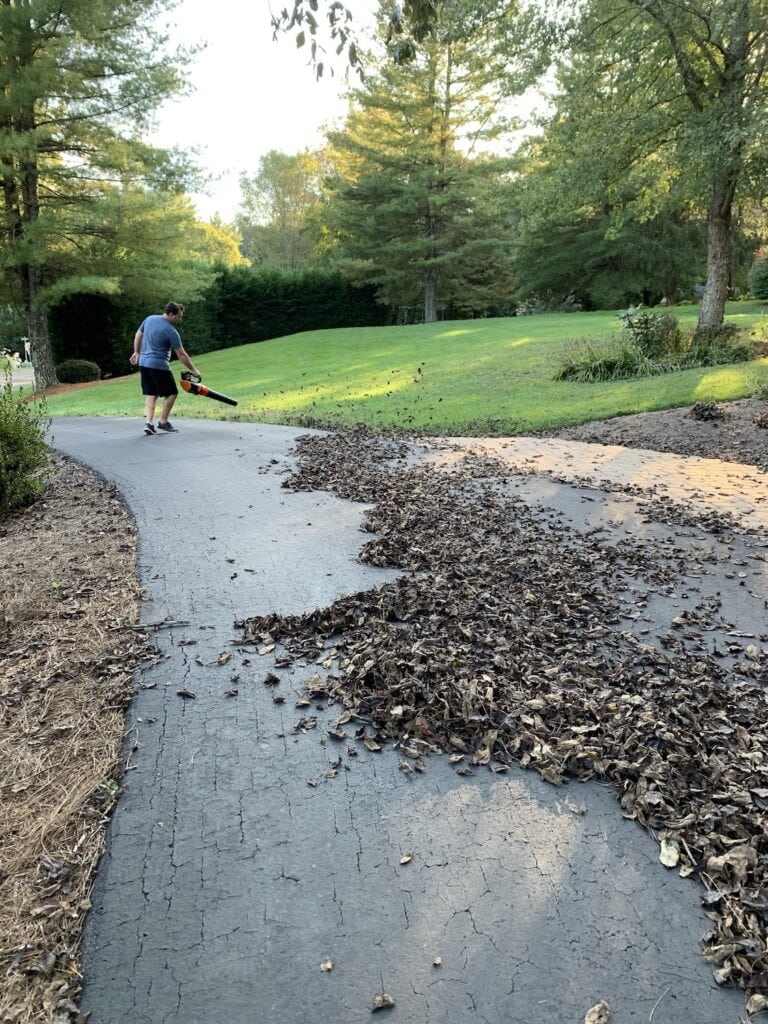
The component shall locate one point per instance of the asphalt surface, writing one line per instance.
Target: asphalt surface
(241, 855)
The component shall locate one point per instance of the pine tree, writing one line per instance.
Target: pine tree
(78, 83)
(416, 208)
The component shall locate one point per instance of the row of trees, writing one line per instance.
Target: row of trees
(87, 206)
(646, 173)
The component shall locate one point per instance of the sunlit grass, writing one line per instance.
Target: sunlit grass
(491, 375)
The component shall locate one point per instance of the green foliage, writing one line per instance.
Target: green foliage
(97, 328)
(245, 305)
(758, 275)
(77, 371)
(279, 211)
(714, 346)
(671, 98)
(12, 329)
(80, 86)
(654, 334)
(548, 303)
(651, 344)
(23, 451)
(617, 358)
(414, 207)
(579, 231)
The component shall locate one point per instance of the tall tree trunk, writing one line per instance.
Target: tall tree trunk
(430, 295)
(40, 349)
(712, 311)
(31, 273)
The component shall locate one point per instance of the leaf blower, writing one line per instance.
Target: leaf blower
(193, 384)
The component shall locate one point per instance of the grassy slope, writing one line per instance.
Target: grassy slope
(463, 376)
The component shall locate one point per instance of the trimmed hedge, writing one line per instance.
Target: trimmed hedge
(240, 306)
(96, 328)
(77, 371)
(758, 275)
(245, 305)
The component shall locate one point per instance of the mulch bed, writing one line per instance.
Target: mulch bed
(67, 631)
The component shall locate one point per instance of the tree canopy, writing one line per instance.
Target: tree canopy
(278, 210)
(79, 83)
(671, 96)
(678, 90)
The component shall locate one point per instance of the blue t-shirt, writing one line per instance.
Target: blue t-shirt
(160, 337)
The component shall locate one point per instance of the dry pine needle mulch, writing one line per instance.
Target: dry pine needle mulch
(508, 641)
(69, 605)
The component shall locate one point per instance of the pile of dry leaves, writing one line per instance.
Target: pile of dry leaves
(509, 641)
(69, 608)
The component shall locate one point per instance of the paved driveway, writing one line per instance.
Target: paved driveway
(243, 855)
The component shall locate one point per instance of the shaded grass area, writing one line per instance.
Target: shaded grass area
(470, 376)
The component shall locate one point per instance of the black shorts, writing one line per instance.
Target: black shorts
(158, 383)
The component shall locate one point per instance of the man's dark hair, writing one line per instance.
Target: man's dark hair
(173, 308)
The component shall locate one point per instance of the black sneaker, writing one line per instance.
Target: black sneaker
(167, 427)
(149, 429)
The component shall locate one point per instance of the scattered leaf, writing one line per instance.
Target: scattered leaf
(599, 1014)
(670, 853)
(382, 1001)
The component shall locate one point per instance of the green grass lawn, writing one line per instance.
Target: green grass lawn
(467, 376)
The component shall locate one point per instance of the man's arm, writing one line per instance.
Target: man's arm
(137, 340)
(184, 358)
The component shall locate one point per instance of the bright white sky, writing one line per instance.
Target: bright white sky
(251, 94)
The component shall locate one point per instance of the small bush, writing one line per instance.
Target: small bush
(77, 371)
(758, 275)
(548, 303)
(591, 362)
(714, 346)
(23, 451)
(655, 334)
(623, 358)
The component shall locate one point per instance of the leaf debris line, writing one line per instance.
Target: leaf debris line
(508, 640)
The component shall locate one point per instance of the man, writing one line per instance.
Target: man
(152, 346)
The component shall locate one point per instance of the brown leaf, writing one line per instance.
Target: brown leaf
(382, 1001)
(599, 1014)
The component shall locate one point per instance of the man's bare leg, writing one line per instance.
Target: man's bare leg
(165, 412)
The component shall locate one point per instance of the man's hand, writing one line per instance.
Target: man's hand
(134, 359)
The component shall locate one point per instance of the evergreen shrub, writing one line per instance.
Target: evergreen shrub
(758, 275)
(23, 452)
(245, 305)
(99, 328)
(77, 371)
